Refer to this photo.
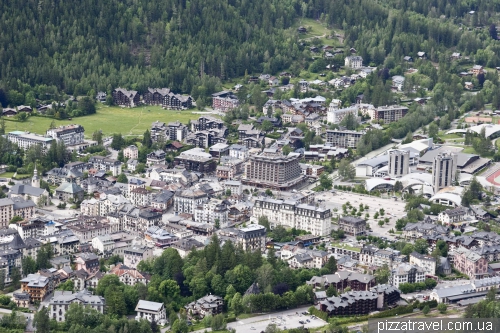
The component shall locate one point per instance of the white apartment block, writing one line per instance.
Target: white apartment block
(61, 301)
(234, 186)
(406, 273)
(26, 139)
(353, 62)
(131, 152)
(71, 134)
(292, 214)
(238, 151)
(211, 211)
(186, 201)
(335, 115)
(110, 203)
(90, 207)
(133, 255)
(104, 244)
(10, 207)
(140, 197)
(151, 311)
(106, 164)
(427, 263)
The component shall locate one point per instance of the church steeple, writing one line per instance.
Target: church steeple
(35, 181)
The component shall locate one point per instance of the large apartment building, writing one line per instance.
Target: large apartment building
(186, 201)
(167, 99)
(272, 169)
(71, 135)
(343, 138)
(61, 301)
(124, 97)
(224, 101)
(106, 164)
(252, 237)
(196, 159)
(388, 114)
(360, 302)
(353, 226)
(406, 273)
(470, 263)
(443, 170)
(26, 139)
(16, 206)
(293, 214)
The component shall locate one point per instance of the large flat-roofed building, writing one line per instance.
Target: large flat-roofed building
(196, 160)
(293, 214)
(272, 169)
(176, 131)
(336, 115)
(353, 226)
(399, 162)
(26, 139)
(343, 138)
(443, 171)
(388, 114)
(71, 134)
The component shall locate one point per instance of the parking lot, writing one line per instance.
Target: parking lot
(394, 210)
(284, 320)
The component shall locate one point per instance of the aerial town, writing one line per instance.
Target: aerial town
(300, 166)
(278, 214)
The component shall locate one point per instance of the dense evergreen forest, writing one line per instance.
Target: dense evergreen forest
(54, 46)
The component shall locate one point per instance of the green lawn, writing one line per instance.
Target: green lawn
(128, 121)
(347, 247)
(469, 150)
(315, 29)
(7, 175)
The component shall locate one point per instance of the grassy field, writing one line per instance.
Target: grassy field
(316, 29)
(129, 122)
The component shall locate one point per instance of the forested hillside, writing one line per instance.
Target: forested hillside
(76, 47)
(79, 45)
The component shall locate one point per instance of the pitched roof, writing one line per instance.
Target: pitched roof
(71, 188)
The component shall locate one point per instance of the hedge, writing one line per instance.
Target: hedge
(431, 304)
(230, 319)
(318, 313)
(392, 312)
